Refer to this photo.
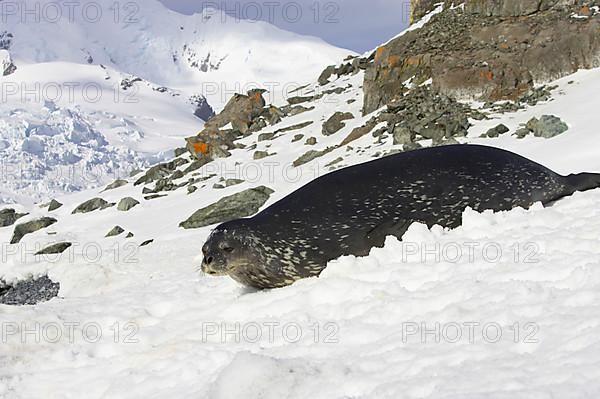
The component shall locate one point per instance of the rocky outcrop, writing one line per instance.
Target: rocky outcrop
(29, 292)
(240, 205)
(547, 126)
(336, 123)
(30, 227)
(116, 184)
(243, 115)
(92, 205)
(490, 50)
(115, 231)
(127, 203)
(55, 249)
(8, 217)
(54, 205)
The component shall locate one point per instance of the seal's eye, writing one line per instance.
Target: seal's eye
(226, 248)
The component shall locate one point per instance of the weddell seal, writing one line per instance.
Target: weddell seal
(352, 210)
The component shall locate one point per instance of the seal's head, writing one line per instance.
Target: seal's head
(227, 249)
(238, 249)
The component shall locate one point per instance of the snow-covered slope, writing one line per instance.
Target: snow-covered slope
(358, 331)
(170, 49)
(98, 94)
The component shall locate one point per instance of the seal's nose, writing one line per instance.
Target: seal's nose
(213, 265)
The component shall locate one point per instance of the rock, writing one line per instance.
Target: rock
(258, 124)
(260, 155)
(30, 227)
(160, 171)
(192, 189)
(195, 165)
(54, 205)
(154, 196)
(403, 135)
(507, 8)
(335, 123)
(8, 217)
(55, 249)
(30, 292)
(93, 205)
(146, 243)
(411, 146)
(360, 132)
(218, 186)
(240, 111)
(326, 74)
(129, 235)
(496, 131)
(491, 51)
(116, 184)
(233, 182)
(265, 137)
(117, 230)
(179, 151)
(295, 127)
(547, 126)
(311, 141)
(311, 156)
(298, 100)
(298, 137)
(522, 133)
(240, 205)
(334, 162)
(299, 109)
(127, 203)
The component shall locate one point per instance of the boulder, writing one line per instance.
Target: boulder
(258, 155)
(326, 74)
(127, 203)
(336, 123)
(116, 184)
(161, 171)
(8, 217)
(311, 156)
(92, 205)
(298, 137)
(496, 131)
(30, 227)
(54, 205)
(55, 249)
(240, 205)
(115, 231)
(547, 126)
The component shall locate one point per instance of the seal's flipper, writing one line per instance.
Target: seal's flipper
(584, 181)
(393, 227)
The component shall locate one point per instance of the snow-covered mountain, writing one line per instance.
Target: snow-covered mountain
(135, 318)
(89, 97)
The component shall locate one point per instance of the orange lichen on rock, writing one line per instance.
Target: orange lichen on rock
(487, 75)
(201, 148)
(393, 61)
(379, 53)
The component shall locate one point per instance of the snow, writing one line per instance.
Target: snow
(76, 65)
(524, 293)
